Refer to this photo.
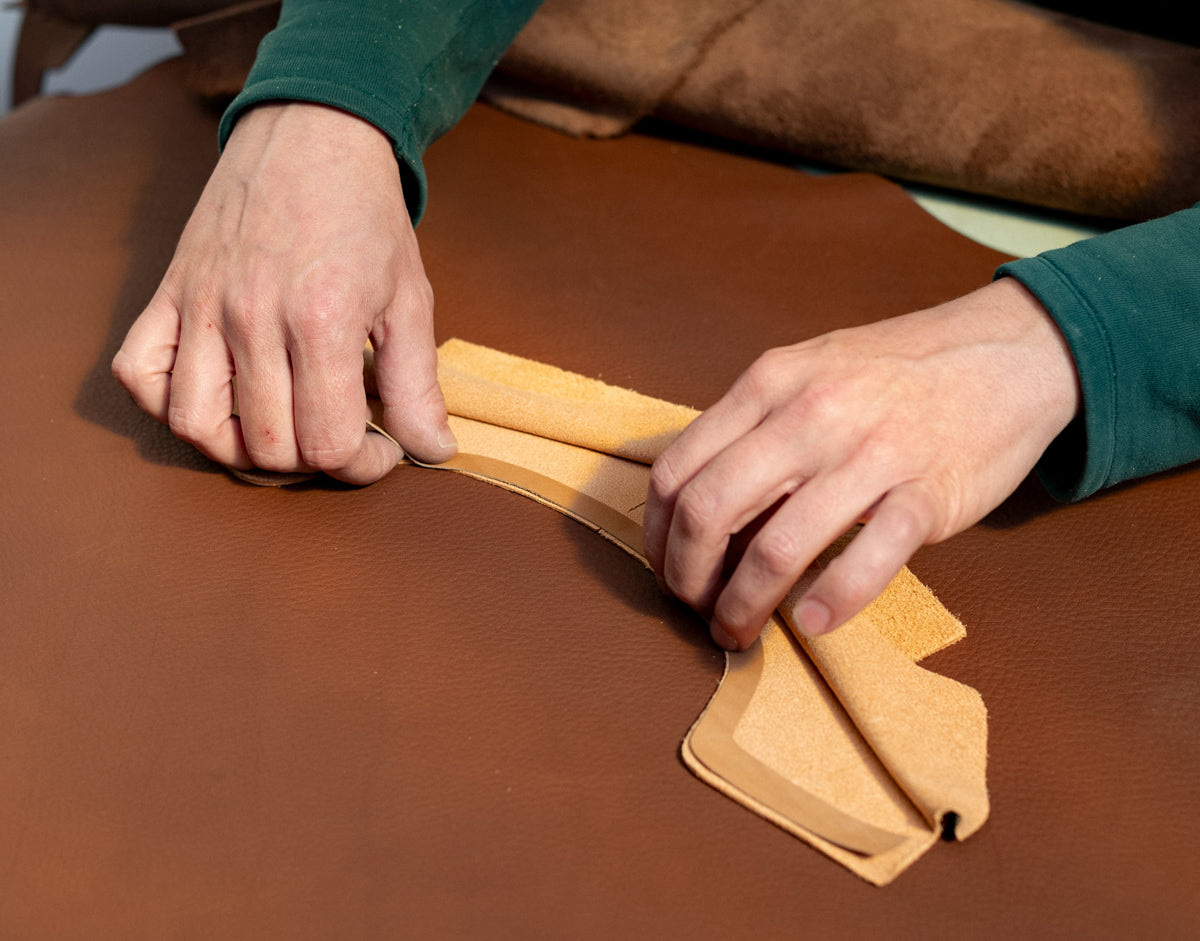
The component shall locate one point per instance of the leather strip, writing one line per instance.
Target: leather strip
(837, 704)
(711, 742)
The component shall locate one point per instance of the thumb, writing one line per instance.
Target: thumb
(414, 410)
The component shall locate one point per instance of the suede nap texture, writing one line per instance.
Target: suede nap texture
(841, 740)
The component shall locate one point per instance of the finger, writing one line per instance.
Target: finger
(201, 404)
(734, 415)
(729, 493)
(414, 410)
(146, 358)
(331, 414)
(901, 524)
(803, 526)
(266, 409)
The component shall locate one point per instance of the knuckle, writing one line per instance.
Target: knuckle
(848, 589)
(763, 378)
(742, 616)
(324, 309)
(776, 552)
(690, 587)
(824, 404)
(666, 478)
(414, 417)
(127, 370)
(675, 584)
(420, 398)
(790, 382)
(326, 455)
(696, 510)
(918, 516)
(246, 315)
(201, 297)
(271, 452)
(418, 294)
(904, 524)
(187, 425)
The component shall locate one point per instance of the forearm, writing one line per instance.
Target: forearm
(1128, 304)
(409, 67)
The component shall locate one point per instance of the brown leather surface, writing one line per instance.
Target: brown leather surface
(221, 45)
(995, 97)
(433, 708)
(992, 96)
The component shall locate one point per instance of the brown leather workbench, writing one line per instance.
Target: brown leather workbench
(431, 708)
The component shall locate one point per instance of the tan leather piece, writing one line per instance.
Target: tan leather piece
(737, 747)
(851, 720)
(863, 755)
(565, 426)
(434, 708)
(929, 731)
(502, 389)
(990, 96)
(891, 749)
(619, 58)
(221, 43)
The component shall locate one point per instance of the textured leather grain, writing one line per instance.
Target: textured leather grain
(432, 708)
(842, 740)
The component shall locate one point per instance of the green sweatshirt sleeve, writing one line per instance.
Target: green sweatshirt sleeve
(1128, 304)
(410, 67)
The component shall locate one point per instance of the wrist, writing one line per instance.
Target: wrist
(310, 127)
(1051, 369)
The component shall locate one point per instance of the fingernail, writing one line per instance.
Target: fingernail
(446, 437)
(721, 639)
(812, 617)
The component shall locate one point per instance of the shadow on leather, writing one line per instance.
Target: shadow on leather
(163, 139)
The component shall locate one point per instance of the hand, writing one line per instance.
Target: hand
(299, 249)
(920, 425)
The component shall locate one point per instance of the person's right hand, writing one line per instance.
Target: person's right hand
(918, 425)
(299, 250)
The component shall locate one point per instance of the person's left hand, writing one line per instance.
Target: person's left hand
(299, 249)
(920, 425)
